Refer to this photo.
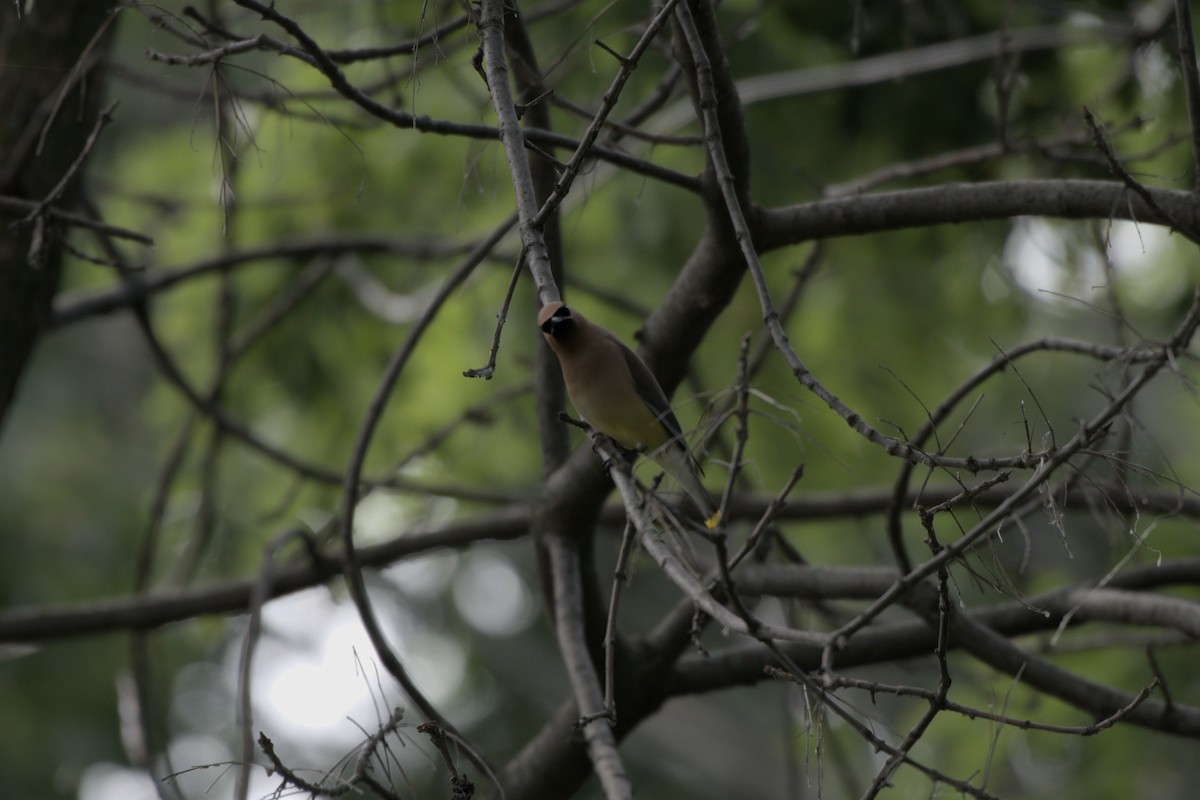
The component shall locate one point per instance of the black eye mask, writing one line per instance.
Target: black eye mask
(560, 317)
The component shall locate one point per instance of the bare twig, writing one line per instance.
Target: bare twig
(620, 578)
(74, 220)
(37, 216)
(74, 306)
(87, 58)
(1186, 46)
(864, 731)
(1114, 164)
(938, 701)
(210, 56)
(258, 598)
(679, 574)
(488, 370)
(875, 687)
(322, 61)
(742, 414)
(102, 120)
(586, 142)
(351, 487)
(461, 787)
(1088, 431)
(746, 242)
(362, 770)
(935, 417)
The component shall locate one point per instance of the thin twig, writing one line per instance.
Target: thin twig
(1117, 169)
(37, 216)
(78, 73)
(609, 101)
(461, 788)
(74, 220)
(74, 306)
(1186, 45)
(829, 701)
(102, 120)
(321, 59)
(258, 599)
(970, 712)
(769, 515)
(620, 578)
(938, 701)
(362, 770)
(210, 56)
(988, 526)
(746, 239)
(673, 567)
(901, 495)
(488, 370)
(742, 414)
(352, 570)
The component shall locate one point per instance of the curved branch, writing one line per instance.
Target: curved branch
(71, 307)
(351, 486)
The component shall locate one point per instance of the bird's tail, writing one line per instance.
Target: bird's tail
(680, 465)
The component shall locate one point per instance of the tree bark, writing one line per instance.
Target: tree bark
(50, 93)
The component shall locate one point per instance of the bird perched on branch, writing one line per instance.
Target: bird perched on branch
(615, 392)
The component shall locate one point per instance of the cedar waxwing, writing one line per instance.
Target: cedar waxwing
(613, 389)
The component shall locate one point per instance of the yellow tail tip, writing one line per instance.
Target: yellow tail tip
(714, 520)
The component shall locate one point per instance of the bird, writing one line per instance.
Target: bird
(616, 393)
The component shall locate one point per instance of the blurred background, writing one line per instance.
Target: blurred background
(296, 242)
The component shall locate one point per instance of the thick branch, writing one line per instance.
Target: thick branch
(144, 612)
(957, 203)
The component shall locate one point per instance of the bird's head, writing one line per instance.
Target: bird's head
(556, 321)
